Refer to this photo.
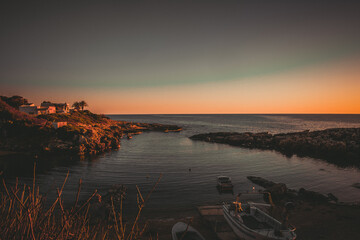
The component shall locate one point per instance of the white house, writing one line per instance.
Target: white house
(46, 110)
(35, 110)
(60, 107)
(29, 109)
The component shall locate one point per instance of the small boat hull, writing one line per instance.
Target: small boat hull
(246, 233)
(184, 231)
(239, 229)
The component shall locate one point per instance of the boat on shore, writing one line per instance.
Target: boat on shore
(224, 183)
(184, 231)
(249, 222)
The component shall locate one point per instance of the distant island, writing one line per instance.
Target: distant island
(54, 128)
(340, 146)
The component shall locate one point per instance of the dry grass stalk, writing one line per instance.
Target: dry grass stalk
(23, 216)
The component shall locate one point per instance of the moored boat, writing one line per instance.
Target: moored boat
(249, 222)
(224, 183)
(184, 231)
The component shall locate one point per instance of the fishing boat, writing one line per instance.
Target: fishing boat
(249, 222)
(184, 231)
(224, 183)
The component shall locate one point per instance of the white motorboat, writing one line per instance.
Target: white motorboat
(249, 222)
(224, 183)
(183, 231)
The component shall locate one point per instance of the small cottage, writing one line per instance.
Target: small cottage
(60, 107)
(46, 110)
(29, 109)
(57, 125)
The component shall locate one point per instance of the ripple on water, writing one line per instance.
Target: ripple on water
(142, 159)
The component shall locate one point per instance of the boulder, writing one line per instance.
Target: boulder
(312, 196)
(278, 190)
(261, 181)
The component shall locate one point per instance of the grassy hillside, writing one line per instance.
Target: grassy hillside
(85, 132)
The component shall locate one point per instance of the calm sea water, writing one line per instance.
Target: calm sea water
(141, 160)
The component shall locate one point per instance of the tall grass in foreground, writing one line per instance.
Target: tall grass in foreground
(23, 216)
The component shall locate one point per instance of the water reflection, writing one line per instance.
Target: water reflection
(142, 159)
(22, 165)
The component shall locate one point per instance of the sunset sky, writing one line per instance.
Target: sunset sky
(143, 57)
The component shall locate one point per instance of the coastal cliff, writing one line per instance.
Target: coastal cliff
(338, 145)
(85, 133)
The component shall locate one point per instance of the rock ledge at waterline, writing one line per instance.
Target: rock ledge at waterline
(81, 133)
(337, 145)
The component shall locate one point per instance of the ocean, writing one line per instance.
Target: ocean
(189, 168)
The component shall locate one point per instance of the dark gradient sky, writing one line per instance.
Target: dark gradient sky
(183, 56)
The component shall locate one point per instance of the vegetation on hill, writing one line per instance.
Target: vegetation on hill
(85, 132)
(14, 101)
(9, 114)
(80, 105)
(83, 117)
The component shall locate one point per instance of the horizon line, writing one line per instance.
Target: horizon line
(230, 113)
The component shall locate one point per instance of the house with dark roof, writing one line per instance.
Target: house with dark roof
(60, 107)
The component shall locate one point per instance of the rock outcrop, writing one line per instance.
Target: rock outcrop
(338, 145)
(86, 133)
(277, 190)
(280, 193)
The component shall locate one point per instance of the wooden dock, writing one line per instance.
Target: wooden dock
(214, 216)
(208, 220)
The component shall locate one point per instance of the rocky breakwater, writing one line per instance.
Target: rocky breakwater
(338, 145)
(281, 194)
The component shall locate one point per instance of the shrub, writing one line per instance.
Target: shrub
(24, 216)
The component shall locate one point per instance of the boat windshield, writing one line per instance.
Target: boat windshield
(224, 179)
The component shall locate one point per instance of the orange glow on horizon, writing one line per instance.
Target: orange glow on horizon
(329, 89)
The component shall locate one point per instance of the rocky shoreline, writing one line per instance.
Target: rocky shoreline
(82, 132)
(338, 145)
(80, 140)
(315, 215)
(280, 193)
